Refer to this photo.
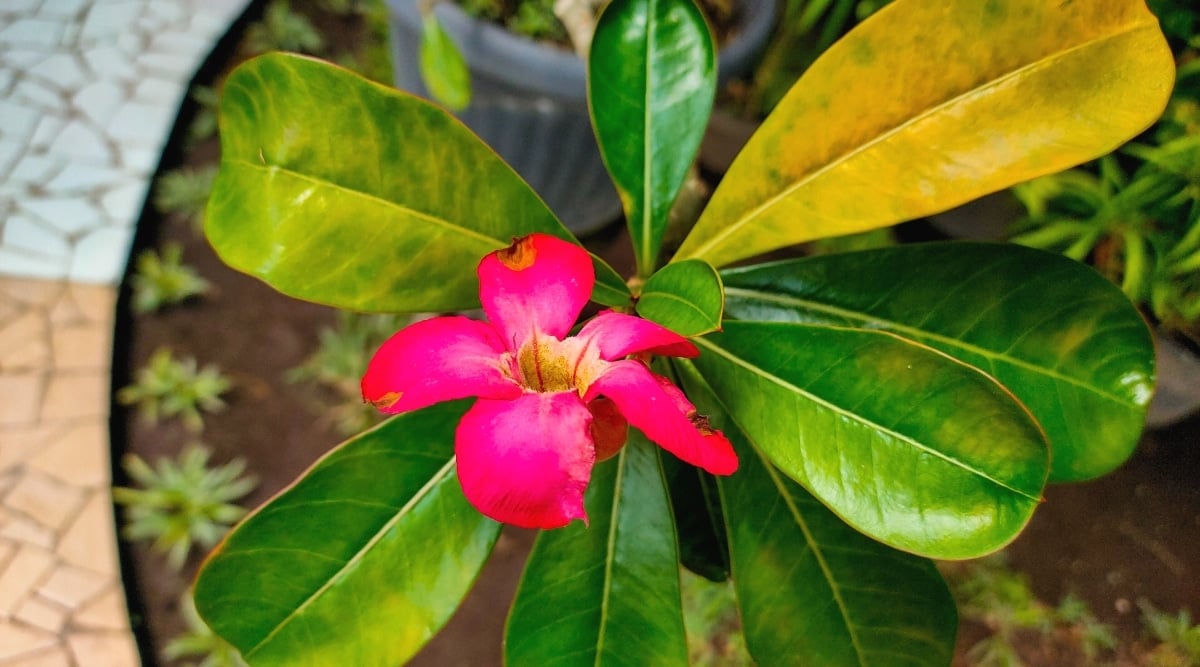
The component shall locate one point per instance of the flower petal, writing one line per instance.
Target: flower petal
(527, 461)
(661, 411)
(609, 429)
(538, 284)
(437, 360)
(617, 335)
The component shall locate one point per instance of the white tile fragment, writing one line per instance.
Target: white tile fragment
(108, 20)
(18, 120)
(78, 140)
(18, 263)
(124, 202)
(145, 124)
(34, 93)
(100, 256)
(61, 70)
(98, 101)
(70, 215)
(23, 233)
(154, 90)
(78, 177)
(32, 32)
(109, 62)
(47, 131)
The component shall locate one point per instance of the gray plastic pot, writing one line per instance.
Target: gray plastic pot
(529, 101)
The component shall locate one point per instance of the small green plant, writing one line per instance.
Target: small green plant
(167, 387)
(163, 280)
(990, 592)
(339, 363)
(182, 503)
(184, 192)
(1179, 636)
(204, 124)
(282, 29)
(1092, 636)
(199, 641)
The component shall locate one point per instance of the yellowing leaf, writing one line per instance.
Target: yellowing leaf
(928, 105)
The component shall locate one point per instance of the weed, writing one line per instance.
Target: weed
(167, 387)
(204, 124)
(182, 502)
(184, 192)
(199, 641)
(282, 29)
(163, 280)
(340, 361)
(1179, 638)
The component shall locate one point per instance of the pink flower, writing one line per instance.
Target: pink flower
(549, 405)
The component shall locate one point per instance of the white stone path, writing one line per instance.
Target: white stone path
(89, 90)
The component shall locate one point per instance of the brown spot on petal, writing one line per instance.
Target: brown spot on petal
(518, 256)
(387, 400)
(701, 423)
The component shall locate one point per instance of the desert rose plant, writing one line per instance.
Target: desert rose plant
(830, 424)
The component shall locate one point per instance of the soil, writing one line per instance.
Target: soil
(1131, 535)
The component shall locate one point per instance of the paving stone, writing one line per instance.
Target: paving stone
(23, 233)
(34, 266)
(145, 124)
(36, 169)
(124, 202)
(79, 141)
(93, 303)
(76, 395)
(20, 397)
(44, 500)
(109, 19)
(138, 159)
(47, 131)
(165, 63)
(39, 95)
(10, 154)
(71, 586)
(108, 62)
(99, 101)
(24, 340)
(106, 612)
(61, 70)
(78, 178)
(19, 119)
(32, 32)
(69, 214)
(30, 291)
(79, 348)
(41, 614)
(55, 656)
(64, 8)
(158, 91)
(23, 442)
(27, 531)
(78, 457)
(19, 640)
(19, 6)
(100, 256)
(8, 549)
(25, 572)
(103, 649)
(90, 543)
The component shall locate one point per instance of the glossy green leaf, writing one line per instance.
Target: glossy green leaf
(684, 297)
(906, 444)
(1063, 339)
(359, 562)
(443, 67)
(651, 81)
(929, 104)
(344, 192)
(605, 594)
(812, 590)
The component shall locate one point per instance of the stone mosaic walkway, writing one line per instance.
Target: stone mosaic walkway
(89, 90)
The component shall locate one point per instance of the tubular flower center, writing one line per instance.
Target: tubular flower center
(548, 365)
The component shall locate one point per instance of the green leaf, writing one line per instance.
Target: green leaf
(442, 65)
(931, 104)
(684, 297)
(359, 562)
(338, 190)
(909, 446)
(1063, 339)
(605, 594)
(652, 77)
(812, 590)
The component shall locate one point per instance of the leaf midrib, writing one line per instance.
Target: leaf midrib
(441, 222)
(749, 216)
(417, 497)
(917, 333)
(862, 420)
